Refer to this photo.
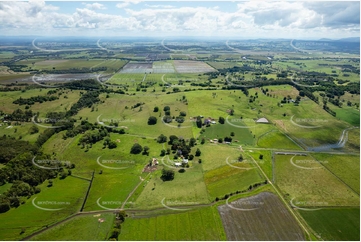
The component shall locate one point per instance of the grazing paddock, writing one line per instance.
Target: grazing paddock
(196, 224)
(261, 217)
(334, 224)
(309, 183)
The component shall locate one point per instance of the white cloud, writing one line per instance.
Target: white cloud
(95, 6)
(254, 18)
(127, 3)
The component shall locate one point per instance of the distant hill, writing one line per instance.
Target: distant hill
(350, 39)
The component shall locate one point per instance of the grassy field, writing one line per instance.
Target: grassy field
(276, 139)
(346, 167)
(67, 194)
(334, 224)
(180, 226)
(299, 178)
(227, 179)
(189, 186)
(91, 229)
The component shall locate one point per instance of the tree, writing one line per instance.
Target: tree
(33, 129)
(260, 157)
(167, 119)
(240, 158)
(162, 152)
(221, 120)
(112, 145)
(199, 122)
(167, 175)
(162, 138)
(179, 119)
(220, 140)
(198, 152)
(145, 150)
(136, 149)
(192, 142)
(231, 112)
(156, 109)
(232, 133)
(183, 114)
(166, 108)
(152, 120)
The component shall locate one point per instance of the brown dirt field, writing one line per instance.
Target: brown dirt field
(268, 221)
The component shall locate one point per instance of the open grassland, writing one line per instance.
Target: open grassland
(121, 171)
(237, 176)
(135, 120)
(66, 195)
(348, 114)
(260, 217)
(91, 229)
(7, 78)
(353, 142)
(242, 136)
(65, 101)
(197, 224)
(307, 182)
(276, 139)
(189, 186)
(334, 224)
(112, 65)
(321, 127)
(21, 131)
(346, 167)
(265, 162)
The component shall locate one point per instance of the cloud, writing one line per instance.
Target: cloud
(95, 6)
(159, 6)
(127, 3)
(253, 18)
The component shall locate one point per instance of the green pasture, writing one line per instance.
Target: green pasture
(334, 224)
(345, 167)
(66, 195)
(299, 178)
(195, 224)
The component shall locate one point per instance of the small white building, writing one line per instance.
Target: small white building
(262, 121)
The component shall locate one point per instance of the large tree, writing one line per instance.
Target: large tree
(136, 149)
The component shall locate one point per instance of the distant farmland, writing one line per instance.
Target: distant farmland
(261, 217)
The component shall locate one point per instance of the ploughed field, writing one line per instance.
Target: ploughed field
(261, 217)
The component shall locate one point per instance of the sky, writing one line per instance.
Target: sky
(228, 19)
